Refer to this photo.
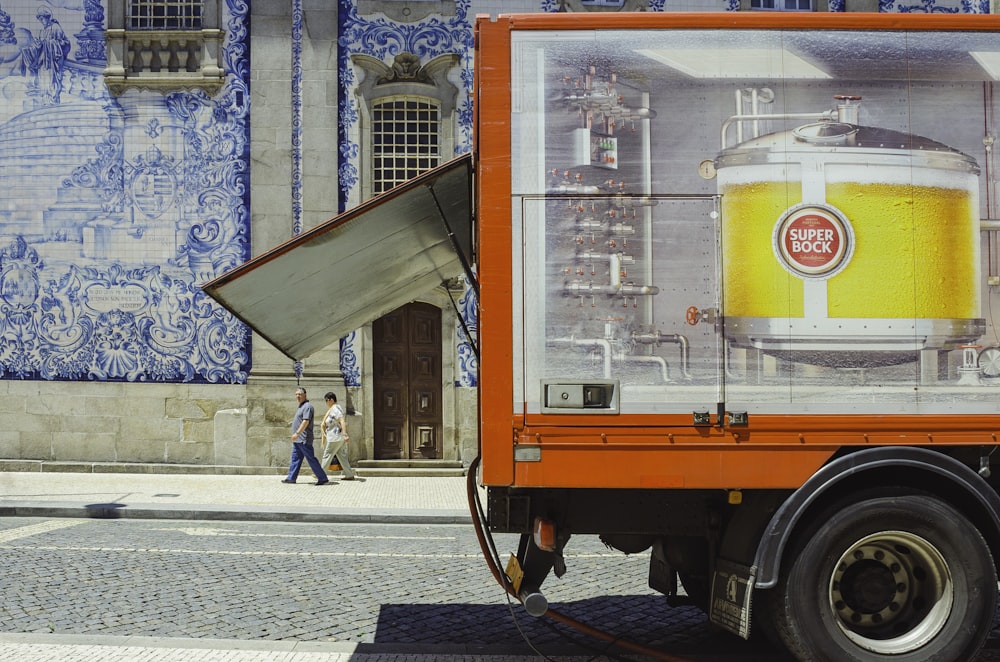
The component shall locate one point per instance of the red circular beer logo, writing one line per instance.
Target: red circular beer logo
(813, 241)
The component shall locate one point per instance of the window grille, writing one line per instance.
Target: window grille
(164, 14)
(405, 140)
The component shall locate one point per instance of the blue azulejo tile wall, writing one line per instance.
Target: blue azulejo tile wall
(113, 209)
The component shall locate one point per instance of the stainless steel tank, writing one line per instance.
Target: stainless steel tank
(846, 244)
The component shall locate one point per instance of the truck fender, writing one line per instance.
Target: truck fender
(779, 529)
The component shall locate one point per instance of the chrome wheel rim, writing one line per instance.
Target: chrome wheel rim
(891, 592)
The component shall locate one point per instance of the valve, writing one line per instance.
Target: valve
(693, 315)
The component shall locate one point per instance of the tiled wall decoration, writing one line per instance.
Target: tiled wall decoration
(378, 36)
(297, 366)
(468, 360)
(114, 209)
(349, 365)
(935, 6)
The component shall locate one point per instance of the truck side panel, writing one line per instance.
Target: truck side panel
(714, 250)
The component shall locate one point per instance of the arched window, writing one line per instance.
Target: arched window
(407, 118)
(405, 139)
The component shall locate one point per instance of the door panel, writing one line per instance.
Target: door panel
(407, 383)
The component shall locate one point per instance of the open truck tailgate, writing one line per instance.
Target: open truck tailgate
(377, 257)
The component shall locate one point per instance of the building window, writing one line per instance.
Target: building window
(781, 5)
(405, 139)
(168, 15)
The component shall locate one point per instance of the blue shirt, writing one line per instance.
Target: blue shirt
(305, 412)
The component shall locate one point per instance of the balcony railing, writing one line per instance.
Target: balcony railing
(164, 60)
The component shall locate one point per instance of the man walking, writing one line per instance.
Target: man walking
(302, 441)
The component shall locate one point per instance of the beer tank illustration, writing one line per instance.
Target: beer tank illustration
(848, 245)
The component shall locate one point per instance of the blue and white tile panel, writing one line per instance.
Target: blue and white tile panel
(114, 210)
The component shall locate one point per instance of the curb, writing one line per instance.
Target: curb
(231, 513)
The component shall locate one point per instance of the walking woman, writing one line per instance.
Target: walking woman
(335, 433)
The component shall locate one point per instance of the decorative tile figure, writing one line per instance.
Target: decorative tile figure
(42, 58)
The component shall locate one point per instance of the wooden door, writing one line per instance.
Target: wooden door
(407, 383)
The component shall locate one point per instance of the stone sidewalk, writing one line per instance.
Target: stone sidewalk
(235, 497)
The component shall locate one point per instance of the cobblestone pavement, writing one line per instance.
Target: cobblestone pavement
(272, 591)
(308, 576)
(423, 587)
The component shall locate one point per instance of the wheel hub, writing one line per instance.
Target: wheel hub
(871, 585)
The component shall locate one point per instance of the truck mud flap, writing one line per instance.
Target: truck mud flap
(732, 592)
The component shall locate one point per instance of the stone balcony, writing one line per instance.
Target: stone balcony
(164, 60)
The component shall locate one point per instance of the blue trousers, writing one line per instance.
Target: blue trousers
(299, 451)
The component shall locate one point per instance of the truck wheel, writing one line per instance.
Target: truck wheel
(896, 578)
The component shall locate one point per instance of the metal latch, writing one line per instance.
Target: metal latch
(591, 396)
(737, 418)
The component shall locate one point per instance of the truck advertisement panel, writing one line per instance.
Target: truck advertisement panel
(782, 220)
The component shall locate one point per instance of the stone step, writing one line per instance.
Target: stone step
(409, 468)
(366, 472)
(402, 464)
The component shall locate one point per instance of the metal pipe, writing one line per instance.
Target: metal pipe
(534, 602)
(581, 189)
(739, 112)
(615, 270)
(625, 290)
(655, 338)
(634, 290)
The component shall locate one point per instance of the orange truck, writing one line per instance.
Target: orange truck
(736, 275)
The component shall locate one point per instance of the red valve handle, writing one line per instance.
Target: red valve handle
(692, 315)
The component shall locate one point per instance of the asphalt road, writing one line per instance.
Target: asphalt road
(419, 588)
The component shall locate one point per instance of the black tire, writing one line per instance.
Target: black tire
(903, 578)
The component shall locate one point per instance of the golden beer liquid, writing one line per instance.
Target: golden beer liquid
(754, 282)
(915, 253)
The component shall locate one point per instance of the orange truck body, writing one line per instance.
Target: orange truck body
(736, 273)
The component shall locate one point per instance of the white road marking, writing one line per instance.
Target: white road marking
(192, 531)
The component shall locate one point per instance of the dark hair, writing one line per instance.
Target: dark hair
(330, 395)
